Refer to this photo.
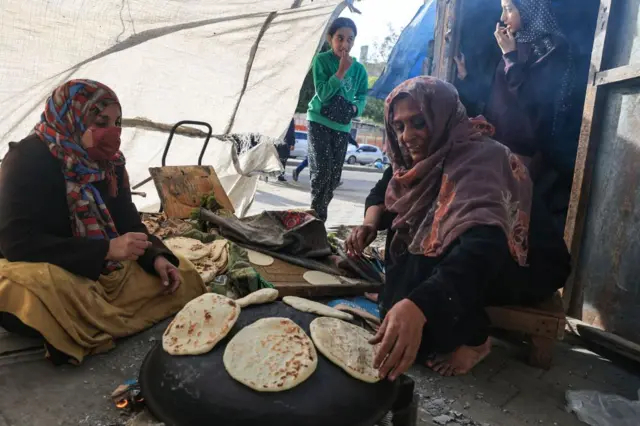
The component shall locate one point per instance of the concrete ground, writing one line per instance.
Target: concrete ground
(501, 391)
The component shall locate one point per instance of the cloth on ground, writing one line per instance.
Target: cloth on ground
(242, 276)
(292, 232)
(81, 317)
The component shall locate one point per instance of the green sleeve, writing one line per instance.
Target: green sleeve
(361, 94)
(326, 83)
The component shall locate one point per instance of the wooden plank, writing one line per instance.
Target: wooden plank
(289, 281)
(13, 343)
(585, 159)
(515, 319)
(181, 188)
(618, 75)
(608, 340)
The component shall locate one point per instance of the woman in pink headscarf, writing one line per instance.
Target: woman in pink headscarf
(459, 209)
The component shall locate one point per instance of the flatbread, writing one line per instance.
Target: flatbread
(306, 305)
(188, 248)
(271, 355)
(347, 346)
(320, 278)
(207, 268)
(201, 324)
(264, 295)
(259, 259)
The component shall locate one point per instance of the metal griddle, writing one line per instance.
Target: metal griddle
(197, 390)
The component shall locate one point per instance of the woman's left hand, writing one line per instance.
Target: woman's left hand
(168, 273)
(400, 334)
(505, 39)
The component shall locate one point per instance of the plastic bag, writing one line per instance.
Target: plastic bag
(598, 409)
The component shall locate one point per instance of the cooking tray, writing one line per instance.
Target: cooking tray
(197, 390)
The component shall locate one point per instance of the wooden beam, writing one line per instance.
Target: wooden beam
(617, 75)
(585, 159)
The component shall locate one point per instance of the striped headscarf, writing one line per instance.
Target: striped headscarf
(67, 115)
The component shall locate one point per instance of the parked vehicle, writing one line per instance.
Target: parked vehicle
(365, 154)
(301, 148)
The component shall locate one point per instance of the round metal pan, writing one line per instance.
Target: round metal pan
(197, 390)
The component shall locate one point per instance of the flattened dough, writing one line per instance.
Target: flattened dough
(189, 248)
(207, 269)
(264, 295)
(270, 355)
(201, 324)
(306, 305)
(347, 346)
(320, 278)
(259, 259)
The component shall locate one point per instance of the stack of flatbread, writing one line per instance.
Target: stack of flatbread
(210, 260)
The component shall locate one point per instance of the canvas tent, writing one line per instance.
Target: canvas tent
(236, 64)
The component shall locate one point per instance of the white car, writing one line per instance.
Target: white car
(301, 148)
(365, 154)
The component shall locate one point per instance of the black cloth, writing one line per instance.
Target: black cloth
(327, 149)
(34, 216)
(477, 271)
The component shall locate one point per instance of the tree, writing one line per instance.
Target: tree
(381, 51)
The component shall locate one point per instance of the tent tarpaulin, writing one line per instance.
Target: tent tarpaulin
(408, 55)
(236, 64)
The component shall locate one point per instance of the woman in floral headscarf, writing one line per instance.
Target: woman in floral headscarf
(460, 205)
(80, 267)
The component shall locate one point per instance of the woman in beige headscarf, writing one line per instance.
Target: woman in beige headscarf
(459, 206)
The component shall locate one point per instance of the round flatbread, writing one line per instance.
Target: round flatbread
(264, 295)
(320, 278)
(207, 269)
(347, 346)
(201, 324)
(259, 259)
(306, 305)
(271, 355)
(188, 248)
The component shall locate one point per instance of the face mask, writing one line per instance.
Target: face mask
(106, 143)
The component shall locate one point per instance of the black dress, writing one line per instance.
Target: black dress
(476, 271)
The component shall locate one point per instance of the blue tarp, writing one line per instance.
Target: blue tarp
(408, 55)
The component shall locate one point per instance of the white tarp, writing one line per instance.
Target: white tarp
(236, 64)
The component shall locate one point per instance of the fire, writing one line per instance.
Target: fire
(122, 403)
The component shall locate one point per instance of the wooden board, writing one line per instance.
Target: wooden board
(287, 278)
(181, 188)
(544, 320)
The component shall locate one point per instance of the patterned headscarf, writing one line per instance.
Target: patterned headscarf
(67, 114)
(539, 25)
(464, 181)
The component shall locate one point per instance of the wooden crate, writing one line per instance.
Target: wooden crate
(542, 324)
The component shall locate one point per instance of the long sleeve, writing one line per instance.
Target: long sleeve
(326, 82)
(456, 282)
(377, 195)
(363, 90)
(26, 183)
(127, 219)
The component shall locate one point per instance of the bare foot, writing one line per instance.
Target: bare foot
(460, 361)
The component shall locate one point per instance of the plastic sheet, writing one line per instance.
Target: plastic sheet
(598, 409)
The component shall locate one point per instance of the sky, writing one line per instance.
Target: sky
(376, 15)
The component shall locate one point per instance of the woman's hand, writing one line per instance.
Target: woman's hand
(505, 39)
(129, 246)
(168, 273)
(461, 65)
(360, 238)
(345, 63)
(400, 334)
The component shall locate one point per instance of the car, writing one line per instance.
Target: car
(301, 148)
(365, 154)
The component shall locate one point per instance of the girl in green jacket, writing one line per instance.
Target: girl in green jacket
(341, 91)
